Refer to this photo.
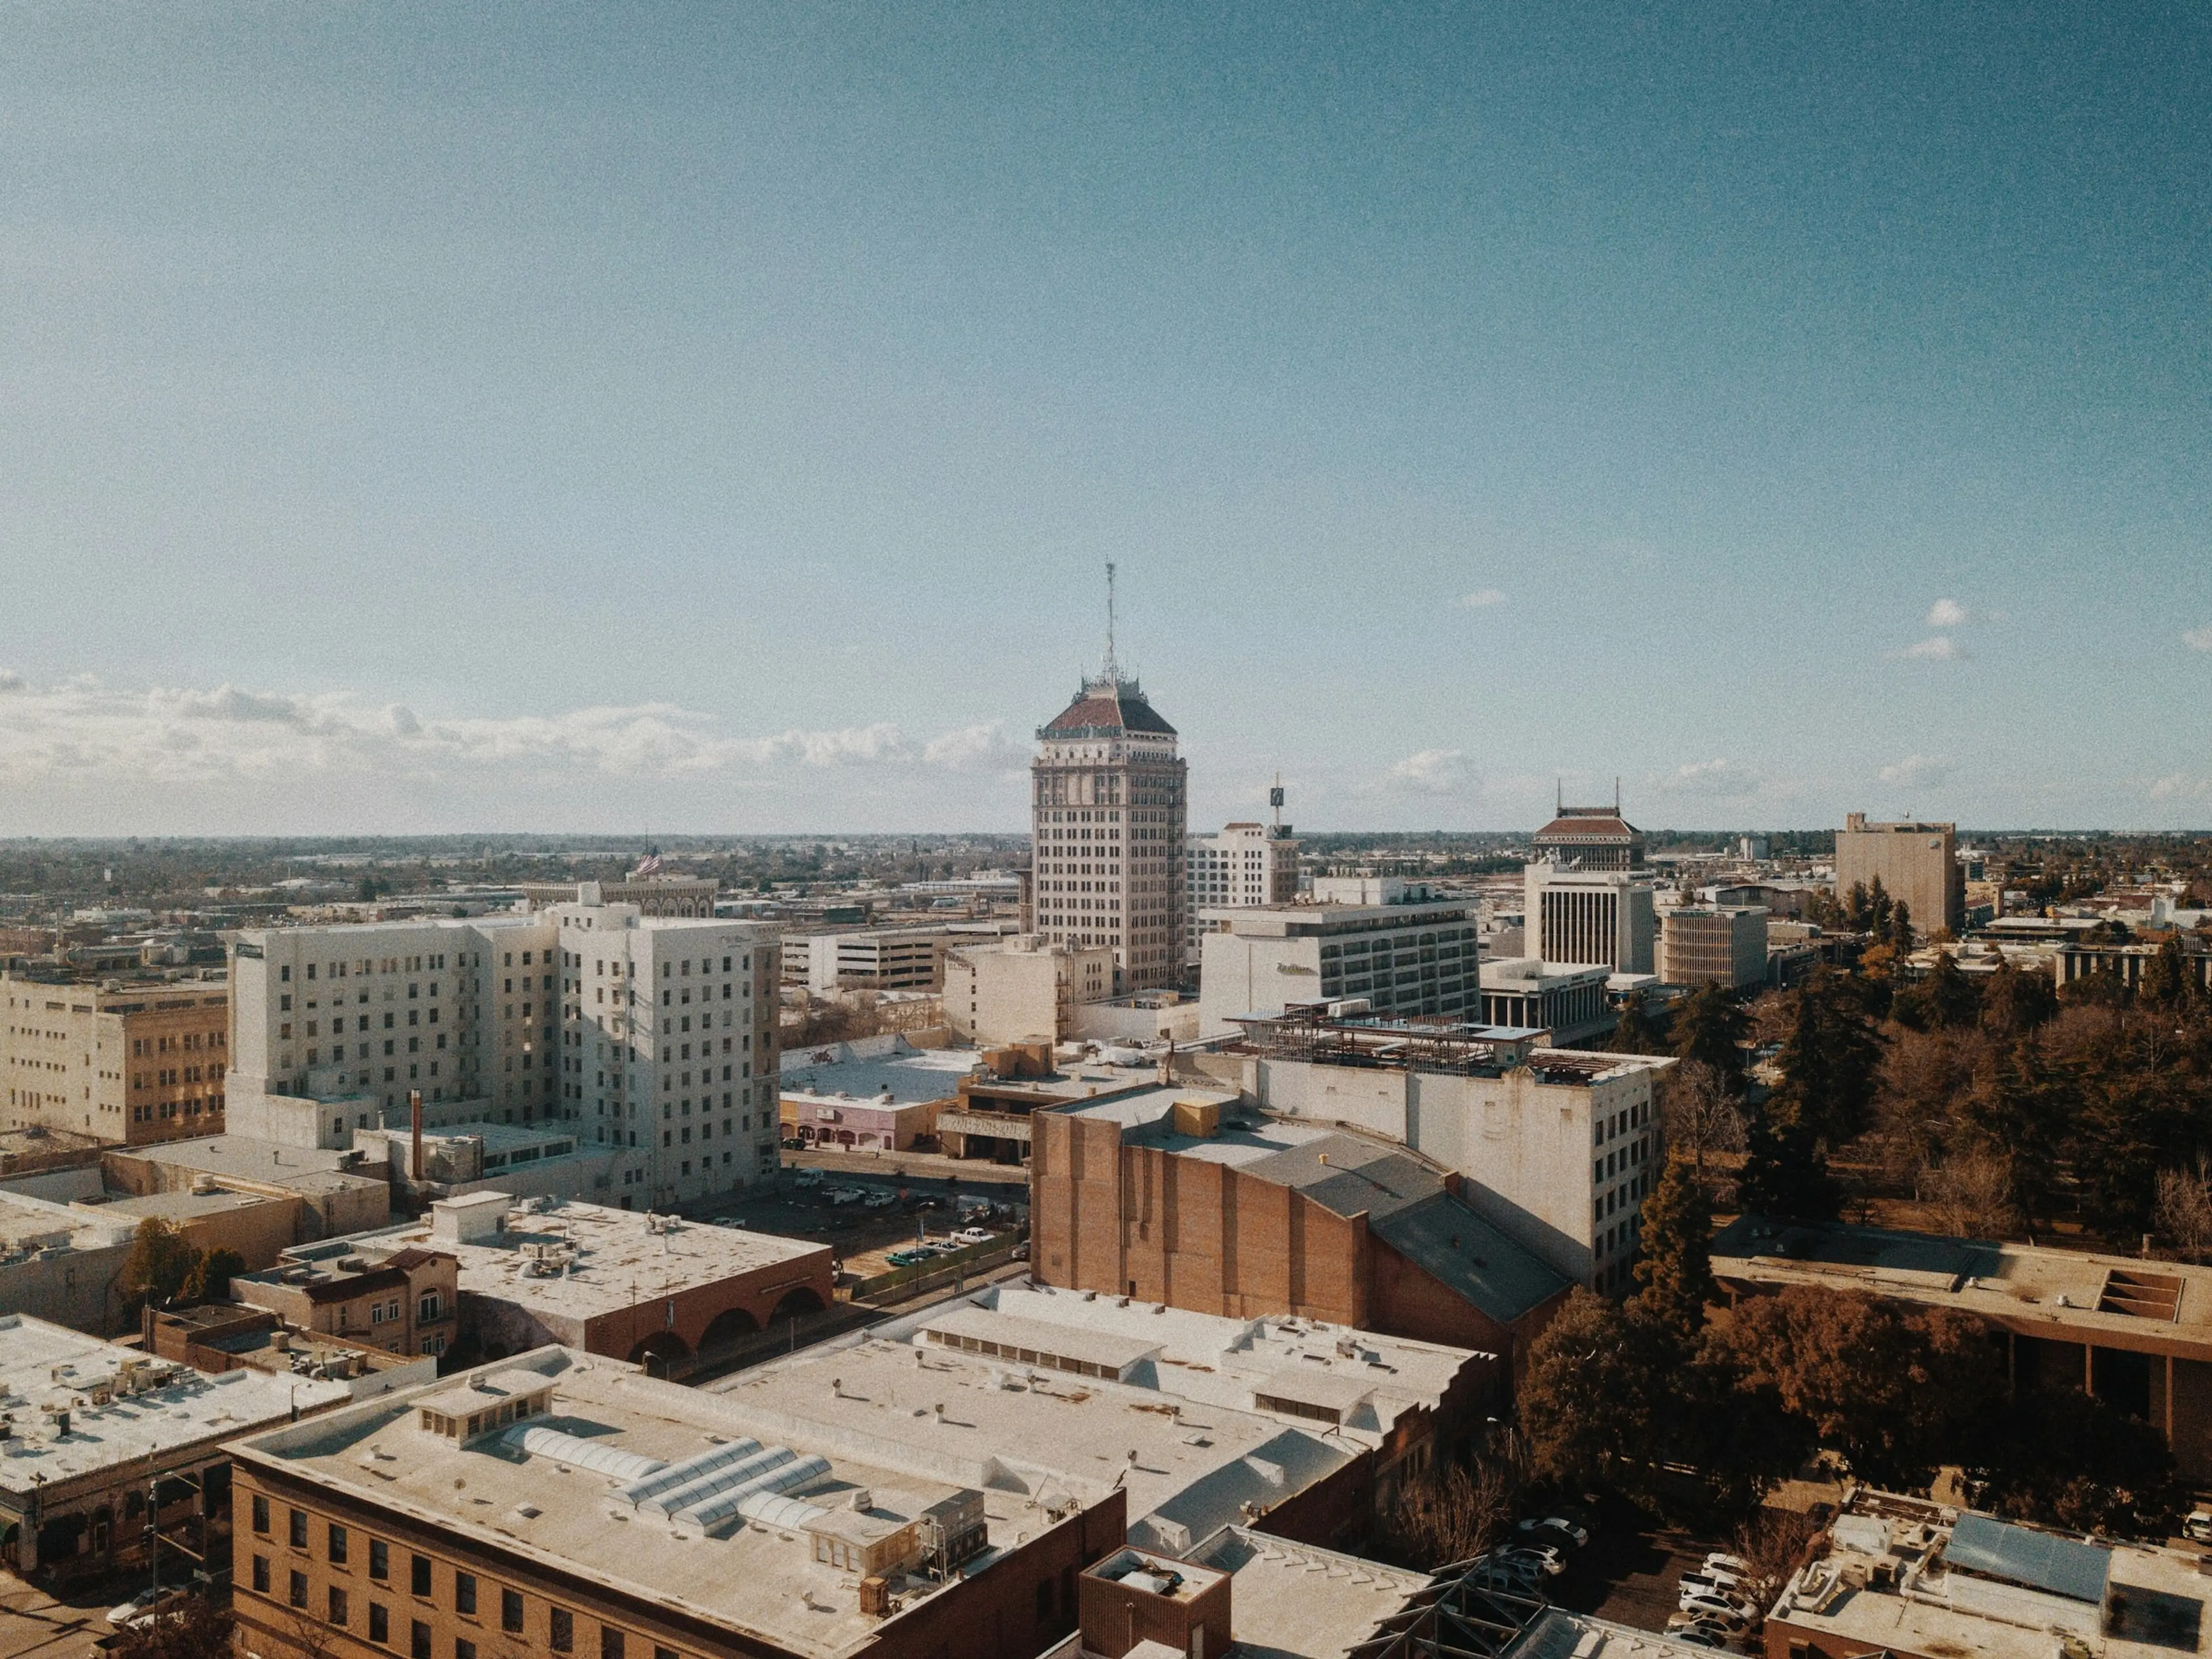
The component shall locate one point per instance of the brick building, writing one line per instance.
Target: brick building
(407, 1301)
(561, 1503)
(133, 1060)
(1169, 1195)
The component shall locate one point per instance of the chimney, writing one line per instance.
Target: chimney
(414, 1128)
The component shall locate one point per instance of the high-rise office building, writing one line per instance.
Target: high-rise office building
(1247, 865)
(1107, 817)
(1590, 916)
(1916, 862)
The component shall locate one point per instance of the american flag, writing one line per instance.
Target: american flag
(647, 865)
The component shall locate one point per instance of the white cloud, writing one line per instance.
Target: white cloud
(1941, 648)
(985, 748)
(169, 736)
(1945, 613)
(1917, 770)
(1724, 778)
(2181, 786)
(10, 680)
(1482, 600)
(1430, 772)
(2197, 639)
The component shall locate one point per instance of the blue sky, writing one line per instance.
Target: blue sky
(717, 417)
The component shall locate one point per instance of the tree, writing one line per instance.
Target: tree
(210, 1279)
(1830, 1060)
(1785, 1170)
(1898, 933)
(1708, 1028)
(1698, 1111)
(1591, 1401)
(2015, 1003)
(1675, 1270)
(2166, 982)
(2065, 1459)
(2183, 1209)
(1949, 995)
(159, 1262)
(1638, 1031)
(1448, 1515)
(1970, 1193)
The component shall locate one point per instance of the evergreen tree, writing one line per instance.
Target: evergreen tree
(1707, 1029)
(1675, 1268)
(210, 1279)
(1638, 1032)
(2166, 982)
(159, 1262)
(1899, 931)
(1785, 1169)
(1950, 995)
(2015, 1003)
(1830, 1059)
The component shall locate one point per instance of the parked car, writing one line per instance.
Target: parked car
(845, 1195)
(1547, 1556)
(1700, 1636)
(1705, 1605)
(907, 1258)
(974, 1235)
(1538, 1525)
(807, 1178)
(881, 1200)
(143, 1606)
(1714, 1581)
(2198, 1526)
(1735, 1563)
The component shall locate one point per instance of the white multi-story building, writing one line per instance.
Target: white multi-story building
(1409, 958)
(1108, 816)
(553, 1015)
(1245, 867)
(1589, 916)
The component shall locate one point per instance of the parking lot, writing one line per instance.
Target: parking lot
(861, 1234)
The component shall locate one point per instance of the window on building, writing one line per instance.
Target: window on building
(299, 1529)
(260, 1514)
(464, 1593)
(298, 1590)
(419, 1575)
(463, 1648)
(337, 1606)
(418, 1640)
(380, 1560)
(261, 1574)
(380, 1622)
(611, 1644)
(337, 1544)
(560, 1633)
(510, 1611)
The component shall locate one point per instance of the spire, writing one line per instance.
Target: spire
(1111, 673)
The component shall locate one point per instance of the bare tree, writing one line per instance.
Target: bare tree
(1698, 1112)
(1772, 1544)
(1971, 1195)
(1453, 1513)
(2183, 1212)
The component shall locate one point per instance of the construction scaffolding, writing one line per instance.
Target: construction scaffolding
(1309, 1032)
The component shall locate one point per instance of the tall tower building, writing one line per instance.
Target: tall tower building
(1108, 811)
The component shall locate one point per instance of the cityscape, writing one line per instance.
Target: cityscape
(1582, 1066)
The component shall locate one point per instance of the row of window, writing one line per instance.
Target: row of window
(558, 1629)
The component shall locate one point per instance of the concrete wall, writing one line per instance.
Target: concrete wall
(76, 1288)
(59, 1186)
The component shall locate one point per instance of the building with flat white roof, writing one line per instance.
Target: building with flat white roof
(614, 1282)
(1412, 958)
(880, 1092)
(1247, 865)
(1065, 1400)
(58, 1262)
(560, 1502)
(94, 1425)
(1016, 990)
(1567, 998)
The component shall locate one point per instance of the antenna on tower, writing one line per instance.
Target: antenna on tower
(1275, 801)
(1616, 795)
(1113, 672)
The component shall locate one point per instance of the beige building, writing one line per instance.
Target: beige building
(131, 1060)
(1918, 863)
(1714, 944)
(1247, 865)
(867, 959)
(1589, 916)
(1024, 987)
(1109, 817)
(1415, 957)
(690, 896)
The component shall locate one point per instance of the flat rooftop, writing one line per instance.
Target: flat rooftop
(909, 1078)
(1033, 1432)
(1207, 1358)
(258, 1160)
(174, 1408)
(2123, 1300)
(28, 1224)
(1888, 1580)
(173, 1205)
(1290, 1600)
(553, 1507)
(615, 1259)
(1555, 1633)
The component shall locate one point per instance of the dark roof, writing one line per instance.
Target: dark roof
(2040, 1560)
(1462, 1251)
(412, 1257)
(1575, 826)
(1350, 1177)
(347, 1287)
(1106, 707)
